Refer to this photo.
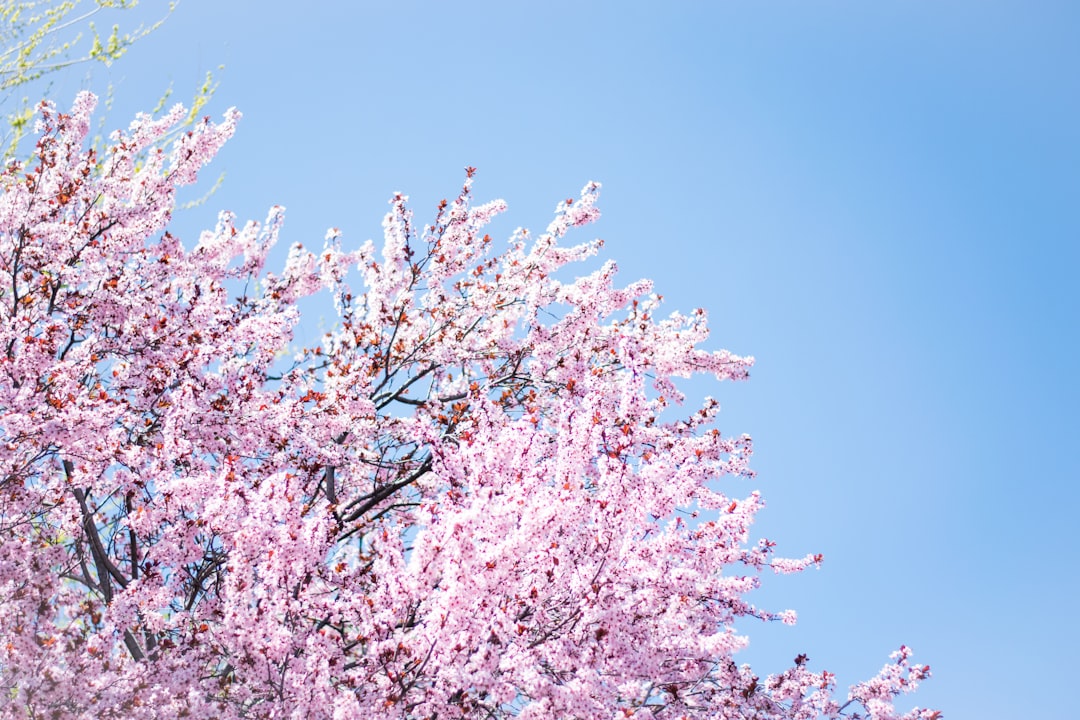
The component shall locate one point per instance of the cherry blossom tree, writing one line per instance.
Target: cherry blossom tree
(479, 496)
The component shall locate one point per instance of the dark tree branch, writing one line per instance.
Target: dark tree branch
(370, 500)
(105, 567)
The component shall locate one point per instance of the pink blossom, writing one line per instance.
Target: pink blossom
(460, 503)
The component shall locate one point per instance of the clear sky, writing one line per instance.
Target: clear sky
(879, 200)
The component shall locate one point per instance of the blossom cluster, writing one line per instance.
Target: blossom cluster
(479, 496)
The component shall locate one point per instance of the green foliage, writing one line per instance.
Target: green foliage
(40, 37)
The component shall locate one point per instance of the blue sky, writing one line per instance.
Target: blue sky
(877, 200)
